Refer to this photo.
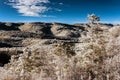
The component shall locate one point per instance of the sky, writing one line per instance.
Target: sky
(64, 11)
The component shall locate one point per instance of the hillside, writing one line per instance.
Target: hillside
(57, 51)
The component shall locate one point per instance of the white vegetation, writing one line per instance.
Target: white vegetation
(93, 18)
(97, 57)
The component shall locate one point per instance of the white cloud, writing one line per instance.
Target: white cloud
(61, 4)
(30, 7)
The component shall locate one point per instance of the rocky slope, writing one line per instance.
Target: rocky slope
(24, 34)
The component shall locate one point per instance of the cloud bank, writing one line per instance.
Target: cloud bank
(30, 7)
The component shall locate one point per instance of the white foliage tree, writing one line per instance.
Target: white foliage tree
(93, 18)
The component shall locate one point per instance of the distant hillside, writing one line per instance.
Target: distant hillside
(19, 34)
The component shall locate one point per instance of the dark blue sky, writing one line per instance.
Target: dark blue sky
(65, 11)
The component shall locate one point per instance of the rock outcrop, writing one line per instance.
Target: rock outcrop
(65, 31)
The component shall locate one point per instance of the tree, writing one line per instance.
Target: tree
(93, 18)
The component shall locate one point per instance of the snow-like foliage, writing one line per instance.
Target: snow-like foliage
(96, 57)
